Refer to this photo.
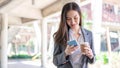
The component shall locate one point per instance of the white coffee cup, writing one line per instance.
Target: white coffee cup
(83, 45)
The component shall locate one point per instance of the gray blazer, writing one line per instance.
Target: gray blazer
(61, 61)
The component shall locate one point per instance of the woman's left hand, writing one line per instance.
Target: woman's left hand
(88, 52)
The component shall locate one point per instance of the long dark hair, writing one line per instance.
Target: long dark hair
(61, 36)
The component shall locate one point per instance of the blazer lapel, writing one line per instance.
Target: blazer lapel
(86, 39)
(85, 35)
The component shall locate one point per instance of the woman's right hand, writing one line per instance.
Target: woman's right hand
(70, 49)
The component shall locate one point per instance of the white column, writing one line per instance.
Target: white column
(118, 38)
(50, 50)
(109, 46)
(97, 20)
(4, 41)
(38, 36)
(108, 40)
(44, 44)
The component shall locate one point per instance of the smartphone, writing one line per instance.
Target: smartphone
(72, 43)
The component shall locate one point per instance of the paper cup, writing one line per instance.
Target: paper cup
(83, 45)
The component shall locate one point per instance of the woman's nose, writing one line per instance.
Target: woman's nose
(72, 21)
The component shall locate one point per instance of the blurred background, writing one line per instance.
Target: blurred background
(27, 28)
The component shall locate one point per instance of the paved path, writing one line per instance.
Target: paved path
(27, 64)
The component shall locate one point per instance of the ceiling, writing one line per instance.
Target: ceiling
(28, 10)
(25, 8)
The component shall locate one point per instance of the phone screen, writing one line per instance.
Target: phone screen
(72, 43)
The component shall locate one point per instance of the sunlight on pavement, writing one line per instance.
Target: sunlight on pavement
(31, 63)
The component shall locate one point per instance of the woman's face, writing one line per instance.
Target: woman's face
(73, 19)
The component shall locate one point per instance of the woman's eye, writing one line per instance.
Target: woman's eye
(75, 18)
(68, 18)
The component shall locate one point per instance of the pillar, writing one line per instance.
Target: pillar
(51, 42)
(118, 39)
(108, 40)
(38, 36)
(4, 41)
(44, 44)
(96, 6)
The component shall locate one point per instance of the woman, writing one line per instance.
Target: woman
(70, 28)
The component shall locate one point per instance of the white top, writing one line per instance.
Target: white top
(76, 55)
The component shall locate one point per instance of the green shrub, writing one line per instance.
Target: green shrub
(103, 57)
(20, 56)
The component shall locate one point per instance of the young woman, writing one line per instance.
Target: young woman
(70, 28)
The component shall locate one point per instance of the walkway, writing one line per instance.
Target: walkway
(27, 64)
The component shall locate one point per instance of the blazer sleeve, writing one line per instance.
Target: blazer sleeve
(59, 56)
(92, 47)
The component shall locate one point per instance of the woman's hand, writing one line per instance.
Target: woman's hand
(88, 52)
(70, 49)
